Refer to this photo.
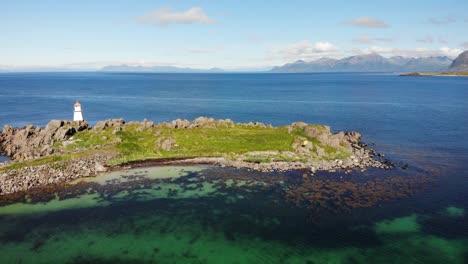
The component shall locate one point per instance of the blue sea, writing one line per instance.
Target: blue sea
(419, 121)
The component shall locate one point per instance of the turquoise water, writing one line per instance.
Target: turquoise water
(203, 214)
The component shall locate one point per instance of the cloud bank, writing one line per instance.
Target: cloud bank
(306, 49)
(417, 52)
(166, 16)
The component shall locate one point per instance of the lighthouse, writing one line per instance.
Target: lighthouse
(77, 115)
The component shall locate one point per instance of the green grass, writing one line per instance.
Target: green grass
(91, 138)
(200, 142)
(135, 143)
(140, 144)
(239, 139)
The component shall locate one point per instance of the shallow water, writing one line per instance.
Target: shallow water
(204, 214)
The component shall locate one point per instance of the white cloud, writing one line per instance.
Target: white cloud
(367, 40)
(378, 49)
(306, 50)
(165, 16)
(417, 52)
(368, 22)
(319, 47)
(465, 45)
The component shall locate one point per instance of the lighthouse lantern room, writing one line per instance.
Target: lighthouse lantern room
(77, 115)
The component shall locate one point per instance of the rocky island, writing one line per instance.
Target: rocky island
(67, 150)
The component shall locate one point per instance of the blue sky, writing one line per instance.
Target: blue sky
(89, 34)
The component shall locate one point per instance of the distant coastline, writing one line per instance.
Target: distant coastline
(440, 74)
(372, 62)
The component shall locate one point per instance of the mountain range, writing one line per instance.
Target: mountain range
(360, 63)
(367, 63)
(460, 64)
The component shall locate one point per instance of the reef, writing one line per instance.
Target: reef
(323, 192)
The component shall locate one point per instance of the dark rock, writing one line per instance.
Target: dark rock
(32, 142)
(353, 137)
(178, 123)
(115, 123)
(460, 64)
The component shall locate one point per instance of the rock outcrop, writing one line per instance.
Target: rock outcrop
(460, 64)
(203, 122)
(117, 124)
(31, 142)
(25, 178)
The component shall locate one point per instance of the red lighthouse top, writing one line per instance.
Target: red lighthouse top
(77, 103)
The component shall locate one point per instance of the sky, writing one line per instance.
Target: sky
(90, 34)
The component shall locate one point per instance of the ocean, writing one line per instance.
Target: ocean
(205, 214)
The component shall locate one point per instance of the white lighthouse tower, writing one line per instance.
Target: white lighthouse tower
(77, 115)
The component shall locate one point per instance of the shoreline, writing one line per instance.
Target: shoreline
(19, 193)
(260, 167)
(65, 151)
(72, 187)
(435, 74)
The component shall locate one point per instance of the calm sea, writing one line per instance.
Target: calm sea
(420, 121)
